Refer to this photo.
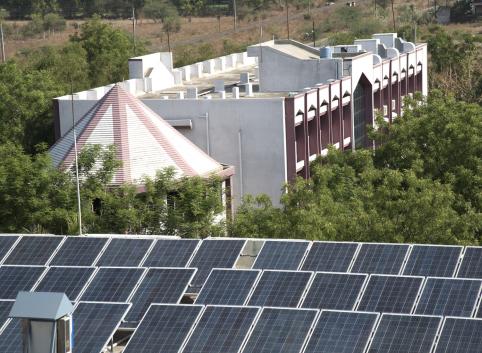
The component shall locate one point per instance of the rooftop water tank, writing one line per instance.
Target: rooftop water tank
(326, 53)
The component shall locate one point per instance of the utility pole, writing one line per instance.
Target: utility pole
(314, 36)
(134, 28)
(79, 208)
(287, 19)
(2, 42)
(393, 16)
(234, 15)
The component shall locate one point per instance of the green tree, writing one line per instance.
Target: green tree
(442, 138)
(455, 65)
(108, 50)
(26, 106)
(191, 8)
(34, 196)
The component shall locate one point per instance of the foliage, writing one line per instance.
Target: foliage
(25, 106)
(158, 10)
(455, 64)
(108, 50)
(461, 11)
(442, 140)
(422, 185)
(34, 196)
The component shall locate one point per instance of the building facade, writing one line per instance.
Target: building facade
(271, 110)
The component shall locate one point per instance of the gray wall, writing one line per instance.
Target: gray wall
(261, 122)
(280, 72)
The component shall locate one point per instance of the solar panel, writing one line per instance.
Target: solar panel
(221, 329)
(280, 331)
(11, 338)
(337, 291)
(341, 332)
(160, 285)
(68, 280)
(164, 329)
(380, 258)
(390, 294)
(6, 242)
(460, 336)
(94, 325)
(14, 279)
(449, 297)
(432, 260)
(33, 250)
(124, 252)
(227, 287)
(112, 284)
(405, 334)
(78, 251)
(479, 313)
(329, 257)
(471, 266)
(214, 253)
(280, 288)
(5, 307)
(281, 255)
(171, 253)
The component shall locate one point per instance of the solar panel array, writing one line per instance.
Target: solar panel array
(297, 296)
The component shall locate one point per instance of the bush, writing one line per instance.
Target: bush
(54, 22)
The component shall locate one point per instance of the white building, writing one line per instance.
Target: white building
(271, 110)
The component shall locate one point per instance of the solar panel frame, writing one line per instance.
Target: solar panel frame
(306, 301)
(258, 310)
(377, 251)
(298, 256)
(197, 260)
(30, 287)
(139, 286)
(366, 292)
(80, 291)
(417, 268)
(6, 246)
(105, 343)
(443, 294)
(319, 337)
(462, 343)
(16, 259)
(248, 294)
(266, 296)
(119, 259)
(350, 249)
(471, 266)
(145, 342)
(383, 315)
(84, 297)
(316, 312)
(154, 251)
(72, 255)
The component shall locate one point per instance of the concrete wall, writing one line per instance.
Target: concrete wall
(281, 72)
(259, 123)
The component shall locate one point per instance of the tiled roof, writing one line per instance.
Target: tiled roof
(145, 143)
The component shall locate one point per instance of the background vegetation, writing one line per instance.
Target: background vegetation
(423, 184)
